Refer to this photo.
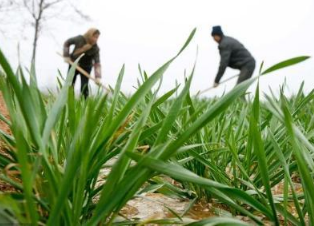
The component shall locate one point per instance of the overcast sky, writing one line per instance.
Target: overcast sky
(149, 33)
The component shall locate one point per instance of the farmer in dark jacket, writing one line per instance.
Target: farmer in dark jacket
(232, 54)
(86, 44)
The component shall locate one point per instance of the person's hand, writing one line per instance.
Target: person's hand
(216, 84)
(97, 68)
(98, 82)
(67, 59)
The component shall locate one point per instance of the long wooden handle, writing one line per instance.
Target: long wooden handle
(83, 72)
(210, 88)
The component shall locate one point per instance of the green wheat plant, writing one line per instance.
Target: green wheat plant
(225, 149)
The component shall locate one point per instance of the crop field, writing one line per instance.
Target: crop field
(70, 161)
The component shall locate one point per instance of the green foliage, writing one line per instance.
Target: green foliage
(226, 150)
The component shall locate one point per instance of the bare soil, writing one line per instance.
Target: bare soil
(4, 187)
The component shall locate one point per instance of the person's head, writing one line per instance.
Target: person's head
(217, 33)
(92, 36)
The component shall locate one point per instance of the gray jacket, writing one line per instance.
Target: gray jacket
(232, 54)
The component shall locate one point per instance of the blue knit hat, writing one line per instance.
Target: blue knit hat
(217, 31)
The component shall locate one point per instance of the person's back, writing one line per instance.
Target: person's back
(239, 54)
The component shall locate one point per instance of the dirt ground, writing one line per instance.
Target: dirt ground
(5, 113)
(4, 127)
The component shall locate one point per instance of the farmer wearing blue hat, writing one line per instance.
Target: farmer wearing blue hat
(232, 54)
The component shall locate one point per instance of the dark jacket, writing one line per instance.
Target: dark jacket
(90, 57)
(232, 54)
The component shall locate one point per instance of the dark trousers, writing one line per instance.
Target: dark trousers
(246, 71)
(84, 80)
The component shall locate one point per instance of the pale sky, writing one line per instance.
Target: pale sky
(150, 32)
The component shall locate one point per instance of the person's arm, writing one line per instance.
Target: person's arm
(225, 54)
(67, 44)
(97, 65)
